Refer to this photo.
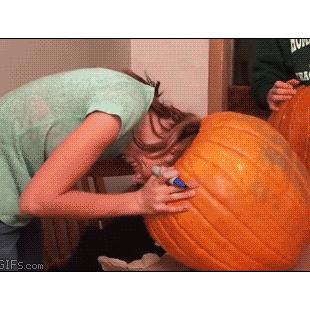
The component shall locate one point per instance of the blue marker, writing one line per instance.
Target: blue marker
(157, 170)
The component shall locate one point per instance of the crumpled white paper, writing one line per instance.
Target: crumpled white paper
(148, 262)
(152, 262)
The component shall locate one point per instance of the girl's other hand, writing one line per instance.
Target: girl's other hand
(156, 193)
(280, 92)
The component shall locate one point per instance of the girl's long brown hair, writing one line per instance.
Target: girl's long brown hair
(185, 126)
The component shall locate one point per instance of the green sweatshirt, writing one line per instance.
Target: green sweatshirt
(279, 60)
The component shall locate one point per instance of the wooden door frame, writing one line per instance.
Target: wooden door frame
(220, 73)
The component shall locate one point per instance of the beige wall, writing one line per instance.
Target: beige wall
(180, 64)
(22, 60)
(111, 53)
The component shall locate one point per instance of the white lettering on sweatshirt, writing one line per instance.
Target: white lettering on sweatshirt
(297, 44)
(303, 76)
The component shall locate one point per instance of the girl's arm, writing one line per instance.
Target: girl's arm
(49, 191)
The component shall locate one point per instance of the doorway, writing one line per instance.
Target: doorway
(230, 72)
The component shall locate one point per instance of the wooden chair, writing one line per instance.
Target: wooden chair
(61, 236)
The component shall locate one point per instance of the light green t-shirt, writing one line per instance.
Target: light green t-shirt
(35, 118)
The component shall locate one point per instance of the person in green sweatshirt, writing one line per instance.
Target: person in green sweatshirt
(281, 65)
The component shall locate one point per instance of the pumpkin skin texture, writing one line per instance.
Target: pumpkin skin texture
(293, 122)
(251, 210)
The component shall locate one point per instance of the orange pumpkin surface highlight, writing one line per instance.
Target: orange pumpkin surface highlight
(293, 122)
(251, 211)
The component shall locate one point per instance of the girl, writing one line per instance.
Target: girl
(52, 131)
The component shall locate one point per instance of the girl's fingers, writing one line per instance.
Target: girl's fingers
(171, 209)
(167, 174)
(153, 179)
(175, 189)
(170, 172)
(192, 184)
(180, 195)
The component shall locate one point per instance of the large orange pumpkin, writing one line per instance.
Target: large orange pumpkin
(251, 211)
(293, 122)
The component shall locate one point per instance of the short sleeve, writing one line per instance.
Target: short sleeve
(130, 100)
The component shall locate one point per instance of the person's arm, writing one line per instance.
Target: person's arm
(49, 192)
(269, 68)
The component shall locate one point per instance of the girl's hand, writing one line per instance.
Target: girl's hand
(156, 193)
(280, 92)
